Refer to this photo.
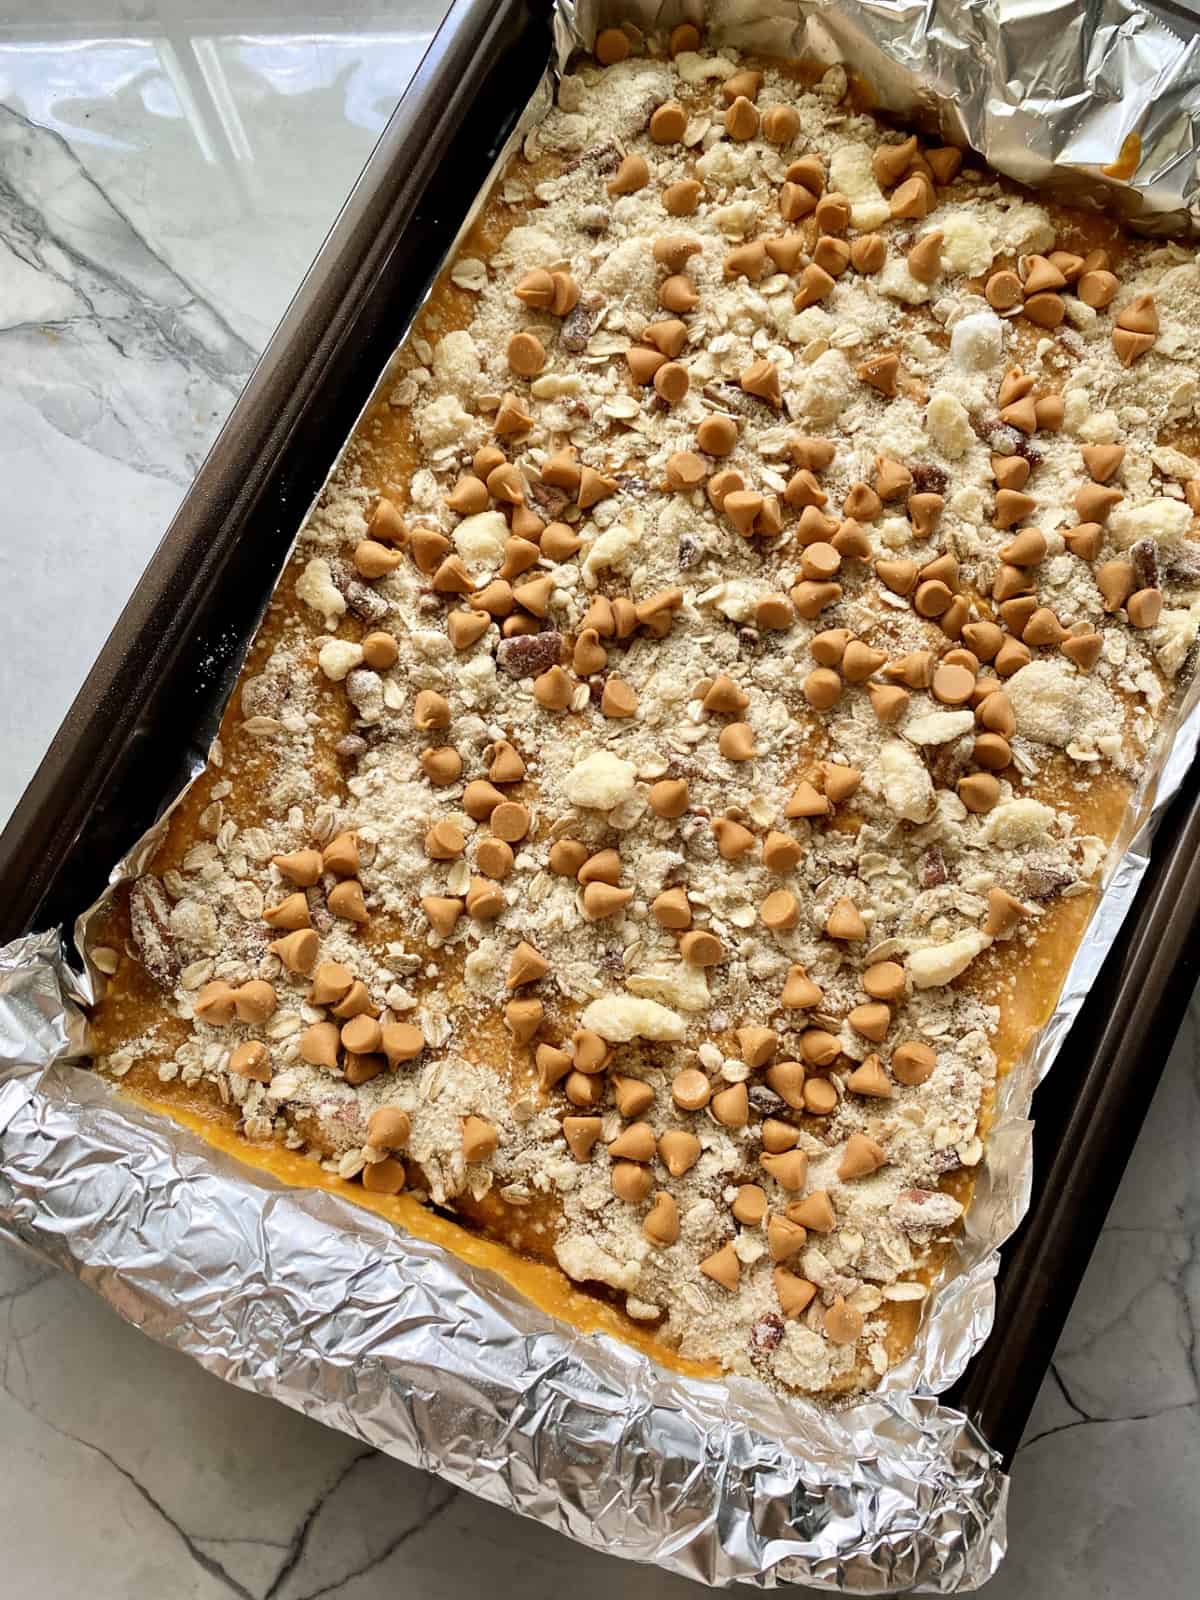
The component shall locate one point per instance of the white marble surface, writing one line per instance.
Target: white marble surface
(163, 184)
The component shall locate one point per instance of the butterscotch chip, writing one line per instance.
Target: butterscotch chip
(671, 383)
(505, 483)
(780, 852)
(632, 1095)
(833, 215)
(750, 1204)
(1005, 911)
(888, 701)
(583, 1091)
(778, 1136)
(979, 791)
(736, 742)
(526, 357)
(761, 378)
(635, 1143)
(741, 119)
(779, 910)
(681, 199)
(428, 549)
(747, 260)
(251, 1060)
(402, 1041)
(683, 38)
(441, 766)
(373, 560)
(510, 821)
(786, 1079)
(995, 713)
(784, 1238)
(861, 1157)
(870, 1079)
(668, 123)
(671, 909)
(593, 487)
(815, 285)
(567, 856)
(890, 162)
(386, 525)
(290, 913)
(678, 293)
(819, 561)
(355, 1002)
(991, 752)
(925, 512)
(331, 982)
(805, 801)
(452, 577)
(631, 175)
(686, 470)
(1043, 628)
(582, 1135)
(952, 685)
(872, 1020)
(318, 1045)
(731, 1107)
(1003, 290)
(913, 199)
(1084, 540)
(701, 949)
(469, 494)
(553, 1065)
(796, 201)
(215, 1004)
(808, 170)
(669, 797)
(466, 628)
(485, 900)
(1115, 581)
(384, 1177)
(380, 651)
(552, 689)
(1097, 289)
(868, 254)
(881, 373)
(780, 124)
(254, 1002)
(631, 1183)
(795, 1294)
(840, 781)
(643, 363)
(1083, 649)
(690, 1089)
(523, 1018)
(790, 1169)
(442, 912)
(526, 965)
(925, 257)
(860, 661)
(601, 900)
(679, 1151)
(843, 1324)
(661, 1223)
(1050, 410)
(1144, 607)
(362, 1035)
(603, 867)
(297, 951)
(723, 1267)
(757, 1044)
(845, 921)
(722, 484)
(822, 688)
(820, 1097)
(302, 868)
(819, 1047)
(612, 45)
(479, 1139)
(512, 416)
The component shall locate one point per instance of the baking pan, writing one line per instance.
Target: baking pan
(129, 742)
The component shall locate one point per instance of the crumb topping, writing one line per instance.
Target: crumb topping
(792, 543)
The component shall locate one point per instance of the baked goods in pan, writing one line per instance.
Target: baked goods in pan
(672, 776)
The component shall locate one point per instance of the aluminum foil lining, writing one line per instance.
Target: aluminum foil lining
(306, 1297)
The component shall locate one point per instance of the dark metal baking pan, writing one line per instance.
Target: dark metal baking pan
(128, 741)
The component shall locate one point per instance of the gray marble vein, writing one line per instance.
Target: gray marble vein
(165, 176)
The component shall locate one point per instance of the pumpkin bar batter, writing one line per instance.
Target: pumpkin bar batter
(670, 781)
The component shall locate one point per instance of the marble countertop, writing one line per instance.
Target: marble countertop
(167, 171)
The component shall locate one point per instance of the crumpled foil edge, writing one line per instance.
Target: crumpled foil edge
(304, 1296)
